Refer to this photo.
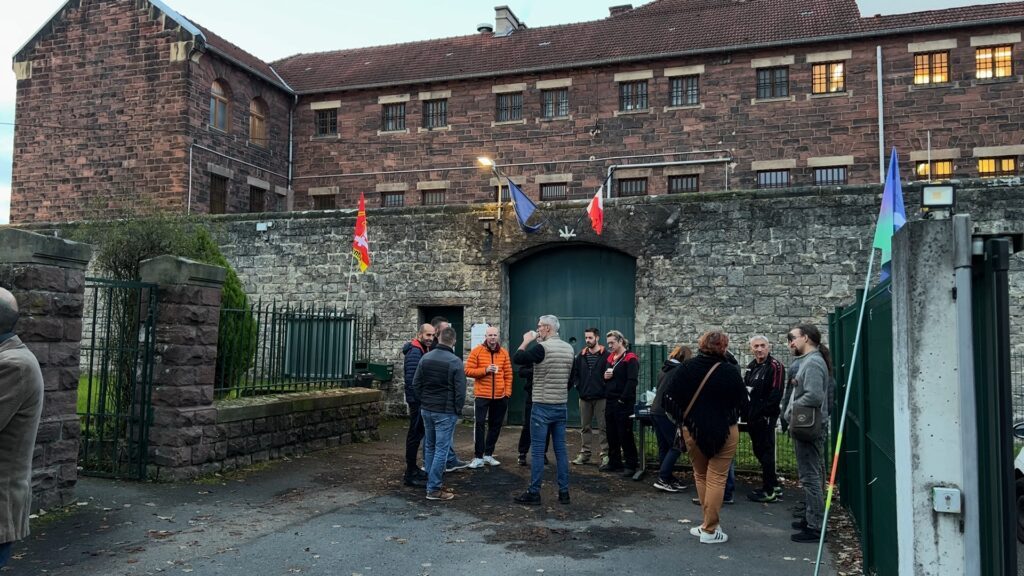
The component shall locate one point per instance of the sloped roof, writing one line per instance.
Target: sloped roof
(949, 16)
(232, 52)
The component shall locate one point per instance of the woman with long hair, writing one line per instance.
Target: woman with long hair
(664, 429)
(621, 375)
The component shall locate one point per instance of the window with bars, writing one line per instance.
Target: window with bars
(931, 68)
(220, 106)
(559, 191)
(940, 169)
(633, 95)
(554, 103)
(258, 123)
(683, 184)
(324, 202)
(772, 82)
(632, 187)
(684, 91)
(257, 199)
(327, 122)
(433, 197)
(1004, 166)
(830, 176)
(506, 196)
(509, 107)
(218, 194)
(828, 78)
(435, 113)
(392, 117)
(773, 179)
(994, 61)
(392, 199)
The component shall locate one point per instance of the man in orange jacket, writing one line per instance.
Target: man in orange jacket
(491, 369)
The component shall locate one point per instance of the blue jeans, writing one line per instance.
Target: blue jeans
(730, 481)
(5, 553)
(437, 441)
(668, 448)
(548, 419)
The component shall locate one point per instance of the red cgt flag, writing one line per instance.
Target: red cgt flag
(596, 211)
(360, 246)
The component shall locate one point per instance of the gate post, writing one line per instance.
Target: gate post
(184, 364)
(47, 277)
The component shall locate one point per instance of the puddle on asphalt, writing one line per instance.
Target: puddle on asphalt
(578, 544)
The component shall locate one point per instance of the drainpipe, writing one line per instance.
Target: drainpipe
(291, 146)
(962, 250)
(881, 116)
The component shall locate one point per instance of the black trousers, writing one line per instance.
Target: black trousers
(489, 416)
(762, 438)
(413, 437)
(524, 436)
(621, 444)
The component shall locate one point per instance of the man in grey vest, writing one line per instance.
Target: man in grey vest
(552, 361)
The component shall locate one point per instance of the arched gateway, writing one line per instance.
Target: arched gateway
(581, 284)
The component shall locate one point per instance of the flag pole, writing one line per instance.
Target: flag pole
(351, 273)
(842, 419)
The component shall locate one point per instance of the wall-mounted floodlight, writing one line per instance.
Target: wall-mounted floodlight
(938, 200)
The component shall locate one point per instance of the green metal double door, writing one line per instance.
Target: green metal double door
(585, 287)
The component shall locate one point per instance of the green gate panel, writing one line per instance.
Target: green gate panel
(584, 286)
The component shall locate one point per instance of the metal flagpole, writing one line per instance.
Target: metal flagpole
(842, 419)
(351, 273)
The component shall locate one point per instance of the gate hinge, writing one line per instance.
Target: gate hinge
(954, 293)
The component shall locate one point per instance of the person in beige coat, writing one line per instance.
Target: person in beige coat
(21, 405)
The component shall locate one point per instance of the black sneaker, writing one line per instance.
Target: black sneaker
(728, 500)
(807, 536)
(414, 481)
(563, 497)
(521, 460)
(666, 486)
(529, 498)
(628, 472)
(610, 467)
(800, 525)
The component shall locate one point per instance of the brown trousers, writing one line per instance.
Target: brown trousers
(709, 475)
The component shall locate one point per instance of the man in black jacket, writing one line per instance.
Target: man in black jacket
(765, 379)
(588, 377)
(414, 351)
(440, 385)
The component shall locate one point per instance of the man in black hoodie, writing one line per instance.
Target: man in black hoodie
(414, 351)
(588, 377)
(440, 385)
(765, 379)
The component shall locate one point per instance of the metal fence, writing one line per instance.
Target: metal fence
(271, 348)
(1017, 379)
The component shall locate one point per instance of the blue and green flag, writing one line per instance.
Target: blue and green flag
(892, 215)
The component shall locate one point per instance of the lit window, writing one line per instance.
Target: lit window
(830, 176)
(773, 179)
(994, 61)
(220, 107)
(392, 199)
(433, 197)
(258, 123)
(940, 169)
(256, 199)
(435, 113)
(393, 117)
(554, 191)
(931, 68)
(327, 122)
(684, 91)
(554, 103)
(828, 78)
(632, 187)
(683, 184)
(633, 95)
(218, 194)
(509, 107)
(989, 167)
(772, 82)
(325, 202)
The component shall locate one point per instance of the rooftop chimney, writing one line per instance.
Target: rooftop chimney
(484, 28)
(505, 22)
(620, 9)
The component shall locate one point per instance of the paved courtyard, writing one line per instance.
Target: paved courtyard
(345, 512)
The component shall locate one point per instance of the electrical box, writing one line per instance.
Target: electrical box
(946, 500)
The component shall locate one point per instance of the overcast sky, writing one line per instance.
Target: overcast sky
(272, 29)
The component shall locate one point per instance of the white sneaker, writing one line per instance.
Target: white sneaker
(490, 461)
(695, 531)
(477, 463)
(716, 537)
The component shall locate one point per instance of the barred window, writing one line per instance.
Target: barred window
(506, 196)
(683, 184)
(392, 199)
(773, 179)
(327, 122)
(554, 103)
(633, 95)
(554, 191)
(218, 194)
(828, 78)
(509, 107)
(1004, 166)
(433, 197)
(940, 169)
(257, 202)
(994, 61)
(632, 187)
(220, 106)
(772, 82)
(684, 91)
(931, 68)
(326, 202)
(435, 113)
(258, 123)
(393, 117)
(830, 176)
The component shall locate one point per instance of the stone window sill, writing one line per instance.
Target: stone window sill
(686, 107)
(1003, 80)
(756, 101)
(554, 119)
(845, 93)
(325, 137)
(215, 129)
(508, 122)
(632, 112)
(421, 130)
(947, 85)
(389, 132)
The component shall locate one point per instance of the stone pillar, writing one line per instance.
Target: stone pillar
(47, 276)
(185, 356)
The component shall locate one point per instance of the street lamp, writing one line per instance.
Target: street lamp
(489, 163)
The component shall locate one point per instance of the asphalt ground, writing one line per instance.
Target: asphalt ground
(346, 512)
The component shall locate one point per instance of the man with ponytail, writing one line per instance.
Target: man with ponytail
(813, 381)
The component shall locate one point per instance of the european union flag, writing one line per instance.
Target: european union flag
(524, 208)
(892, 215)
